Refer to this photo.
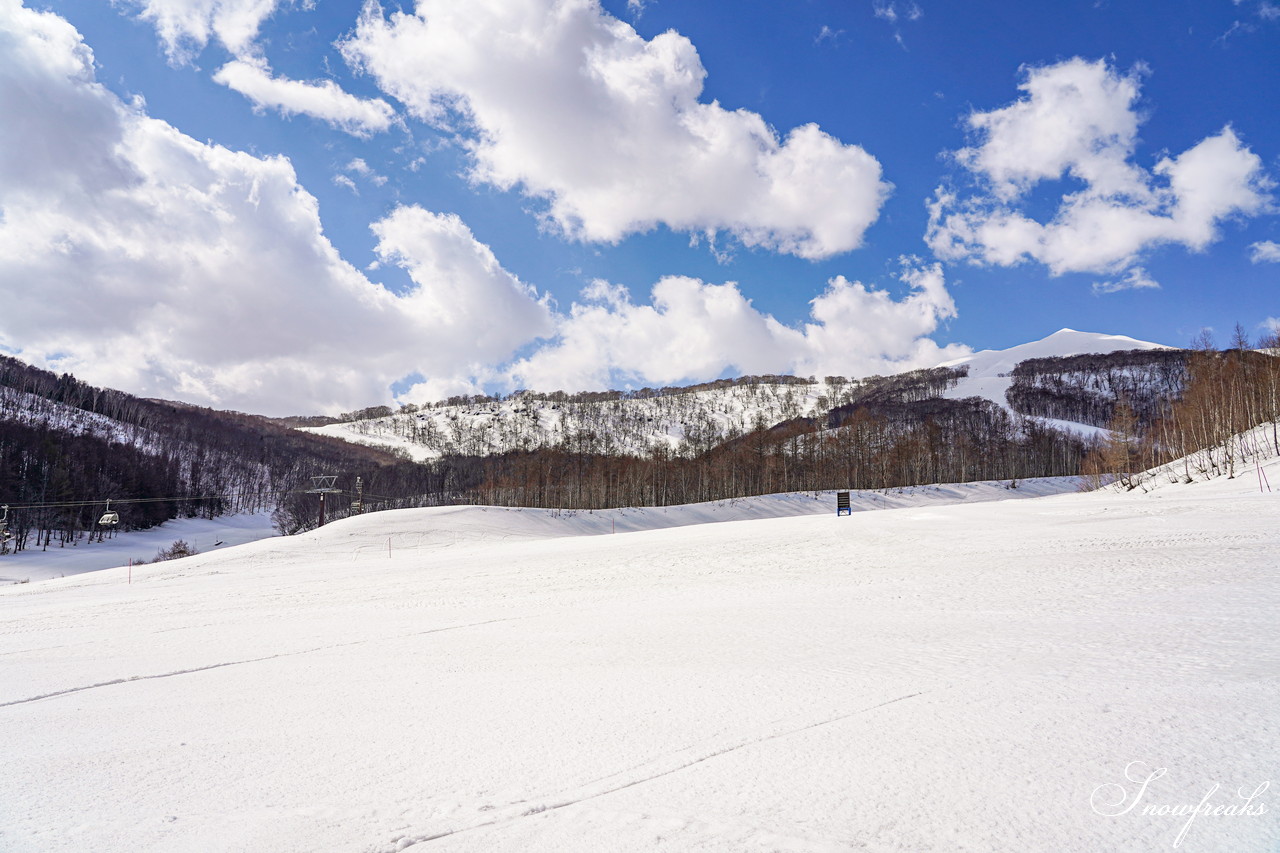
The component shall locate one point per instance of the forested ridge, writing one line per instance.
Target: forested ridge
(67, 447)
(1086, 388)
(685, 422)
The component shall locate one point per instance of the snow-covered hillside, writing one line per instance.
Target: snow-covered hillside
(991, 676)
(989, 369)
(30, 410)
(679, 422)
(682, 423)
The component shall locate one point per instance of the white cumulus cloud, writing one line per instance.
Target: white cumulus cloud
(1135, 278)
(572, 106)
(187, 26)
(1077, 122)
(473, 307)
(1266, 251)
(323, 99)
(359, 167)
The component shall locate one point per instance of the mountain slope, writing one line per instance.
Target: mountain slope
(442, 526)
(682, 421)
(989, 370)
(67, 447)
(678, 420)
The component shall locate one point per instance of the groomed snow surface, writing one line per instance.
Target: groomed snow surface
(969, 676)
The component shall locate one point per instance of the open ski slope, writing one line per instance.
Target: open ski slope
(977, 676)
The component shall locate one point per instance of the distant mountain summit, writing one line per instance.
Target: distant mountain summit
(989, 370)
(1063, 342)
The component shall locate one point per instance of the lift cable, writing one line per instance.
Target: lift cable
(190, 498)
(65, 504)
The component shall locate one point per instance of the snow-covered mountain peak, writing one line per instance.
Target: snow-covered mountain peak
(1063, 342)
(988, 369)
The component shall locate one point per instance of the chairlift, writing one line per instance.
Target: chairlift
(110, 518)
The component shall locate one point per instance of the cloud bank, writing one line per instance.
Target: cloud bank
(1077, 122)
(572, 106)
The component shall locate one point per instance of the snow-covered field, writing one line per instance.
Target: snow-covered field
(976, 676)
(58, 561)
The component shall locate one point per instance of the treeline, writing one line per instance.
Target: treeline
(877, 391)
(400, 485)
(632, 394)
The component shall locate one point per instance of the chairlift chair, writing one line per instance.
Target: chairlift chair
(110, 518)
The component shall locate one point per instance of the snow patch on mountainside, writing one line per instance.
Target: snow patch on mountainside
(30, 410)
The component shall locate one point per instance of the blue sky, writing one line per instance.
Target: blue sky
(287, 206)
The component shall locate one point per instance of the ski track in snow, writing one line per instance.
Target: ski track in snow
(207, 667)
(663, 768)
